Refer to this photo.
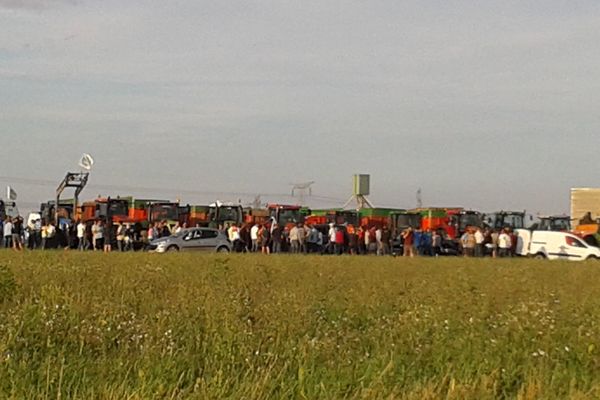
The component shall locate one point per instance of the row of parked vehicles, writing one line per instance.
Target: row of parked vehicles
(139, 214)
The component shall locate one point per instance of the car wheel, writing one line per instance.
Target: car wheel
(223, 249)
(539, 256)
(592, 258)
(173, 248)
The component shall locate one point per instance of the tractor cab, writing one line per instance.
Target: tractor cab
(401, 220)
(62, 214)
(170, 212)
(555, 223)
(463, 220)
(112, 210)
(286, 215)
(505, 219)
(8, 209)
(221, 214)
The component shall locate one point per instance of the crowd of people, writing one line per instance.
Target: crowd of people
(381, 240)
(264, 238)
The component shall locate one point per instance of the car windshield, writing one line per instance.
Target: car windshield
(164, 212)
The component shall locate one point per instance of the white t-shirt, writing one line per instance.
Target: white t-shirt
(332, 235)
(80, 230)
(504, 241)
(254, 232)
(479, 237)
(8, 227)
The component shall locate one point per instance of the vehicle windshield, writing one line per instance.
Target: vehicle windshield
(164, 212)
(349, 218)
(555, 224)
(466, 220)
(119, 207)
(289, 216)
(229, 214)
(514, 221)
(408, 220)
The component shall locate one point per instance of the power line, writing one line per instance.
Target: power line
(145, 189)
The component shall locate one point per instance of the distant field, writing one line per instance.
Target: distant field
(143, 326)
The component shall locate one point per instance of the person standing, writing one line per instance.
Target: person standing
(302, 236)
(378, 233)
(294, 239)
(17, 234)
(504, 244)
(254, 237)
(31, 234)
(494, 235)
(386, 238)
(407, 243)
(417, 242)
(331, 238)
(80, 236)
(312, 239)
(109, 234)
(8, 231)
(436, 243)
(352, 240)
(120, 236)
(265, 239)
(234, 237)
(50, 235)
(469, 243)
(361, 240)
(372, 237)
(276, 238)
(479, 243)
(44, 235)
(339, 241)
(98, 232)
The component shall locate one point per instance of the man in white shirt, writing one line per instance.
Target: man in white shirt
(81, 236)
(254, 238)
(8, 231)
(504, 244)
(479, 239)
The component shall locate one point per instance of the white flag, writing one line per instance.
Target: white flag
(86, 162)
(11, 194)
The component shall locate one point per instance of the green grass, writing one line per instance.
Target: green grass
(140, 326)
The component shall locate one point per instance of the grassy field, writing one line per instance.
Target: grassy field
(140, 326)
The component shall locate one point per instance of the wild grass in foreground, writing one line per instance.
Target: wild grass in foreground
(142, 326)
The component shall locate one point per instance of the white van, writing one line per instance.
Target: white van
(554, 246)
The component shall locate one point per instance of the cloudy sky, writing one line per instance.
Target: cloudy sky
(488, 105)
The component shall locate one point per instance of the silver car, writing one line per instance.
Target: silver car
(193, 239)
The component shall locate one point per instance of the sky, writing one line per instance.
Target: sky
(481, 104)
